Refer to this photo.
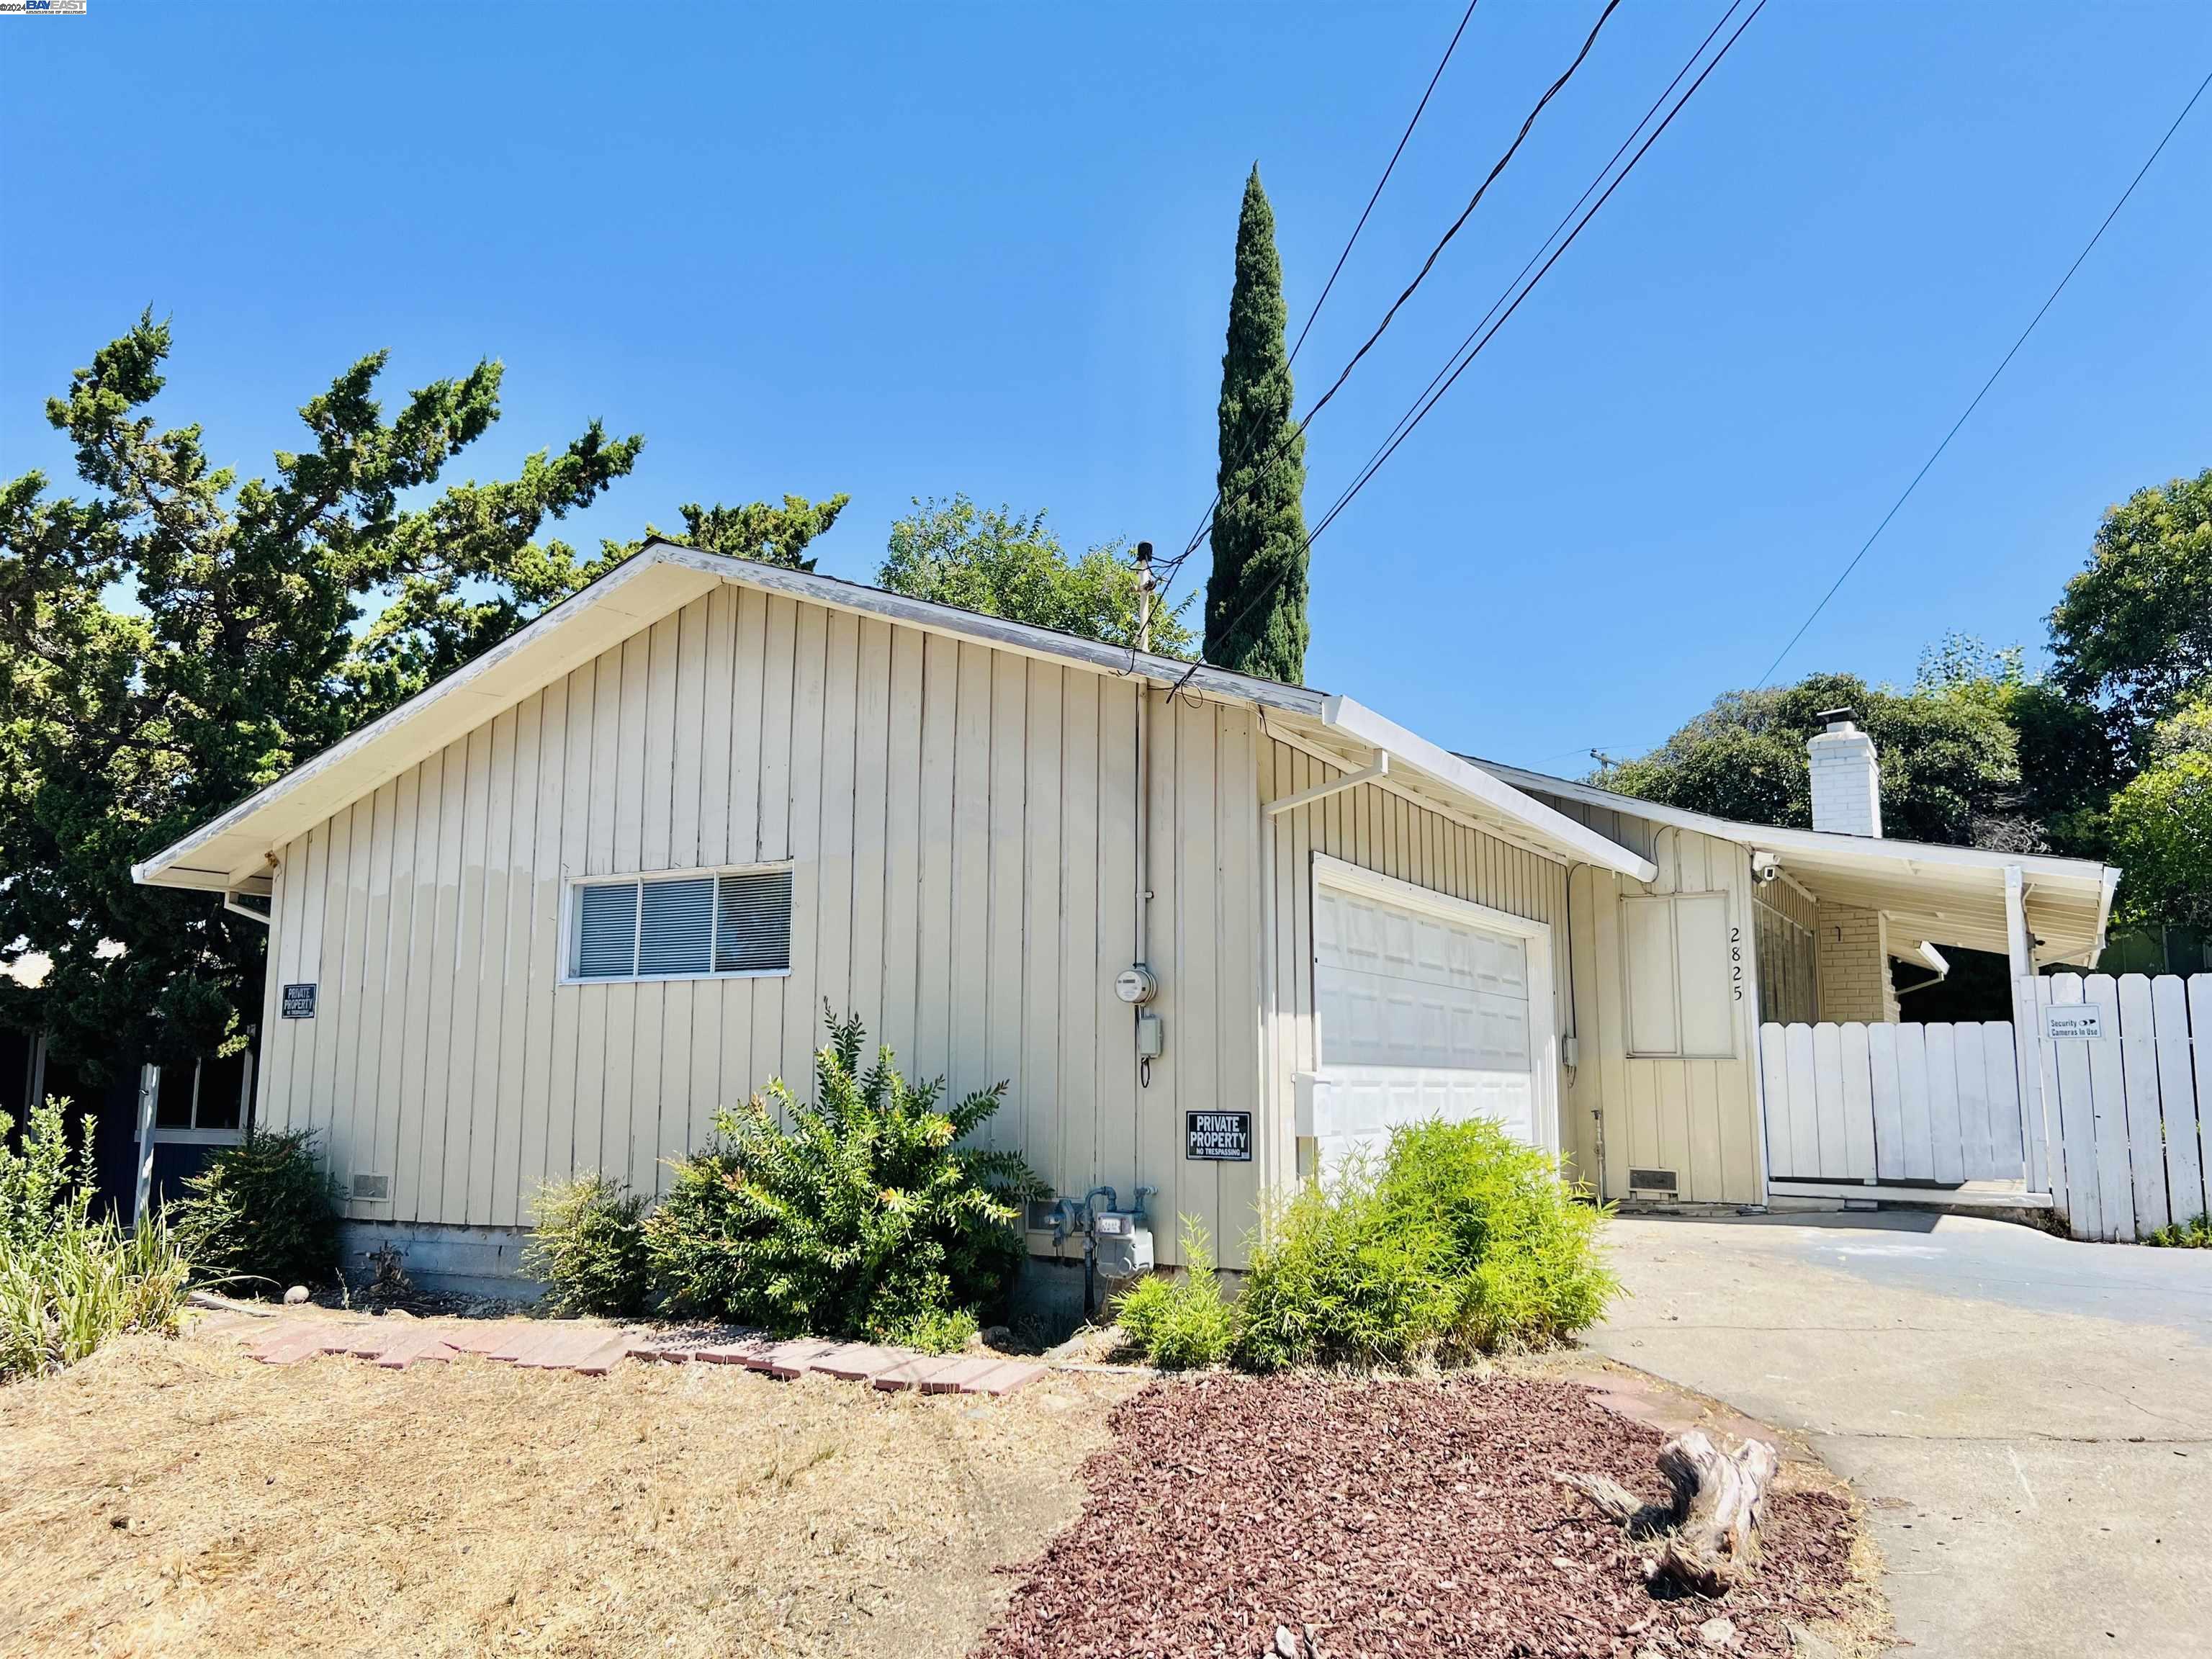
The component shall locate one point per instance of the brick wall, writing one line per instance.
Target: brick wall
(1854, 965)
(1847, 782)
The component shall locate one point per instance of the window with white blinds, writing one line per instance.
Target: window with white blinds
(683, 926)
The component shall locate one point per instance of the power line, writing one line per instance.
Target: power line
(1297, 427)
(1599, 178)
(1469, 352)
(1173, 566)
(1955, 425)
(1473, 201)
(1377, 196)
(1466, 356)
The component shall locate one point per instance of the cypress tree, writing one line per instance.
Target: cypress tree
(1255, 599)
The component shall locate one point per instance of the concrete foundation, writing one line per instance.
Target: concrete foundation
(484, 1262)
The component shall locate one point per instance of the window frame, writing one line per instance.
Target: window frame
(194, 1133)
(572, 906)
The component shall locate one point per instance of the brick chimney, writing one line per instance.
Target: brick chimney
(1846, 781)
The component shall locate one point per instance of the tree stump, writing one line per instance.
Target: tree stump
(1711, 1524)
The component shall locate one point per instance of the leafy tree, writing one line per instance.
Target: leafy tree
(2160, 826)
(1950, 765)
(2069, 766)
(764, 532)
(1255, 598)
(2134, 631)
(178, 637)
(995, 561)
(2187, 730)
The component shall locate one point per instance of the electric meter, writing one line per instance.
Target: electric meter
(1136, 984)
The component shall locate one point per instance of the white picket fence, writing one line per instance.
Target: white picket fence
(2127, 1113)
(1854, 1103)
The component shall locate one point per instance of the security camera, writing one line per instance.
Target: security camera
(1764, 867)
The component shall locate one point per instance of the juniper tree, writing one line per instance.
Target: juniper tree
(178, 637)
(1255, 599)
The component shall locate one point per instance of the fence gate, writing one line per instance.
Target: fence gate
(1924, 1104)
(2124, 1073)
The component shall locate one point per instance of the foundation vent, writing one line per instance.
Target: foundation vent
(1653, 1180)
(371, 1188)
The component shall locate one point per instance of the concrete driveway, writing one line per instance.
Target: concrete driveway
(2028, 1419)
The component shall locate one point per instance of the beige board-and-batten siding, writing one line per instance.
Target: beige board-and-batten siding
(960, 822)
(1377, 829)
(1697, 1116)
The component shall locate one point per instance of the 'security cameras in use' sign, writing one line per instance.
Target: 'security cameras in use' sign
(2076, 1022)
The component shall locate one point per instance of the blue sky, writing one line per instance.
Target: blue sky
(909, 251)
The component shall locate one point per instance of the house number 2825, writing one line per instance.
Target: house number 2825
(1735, 962)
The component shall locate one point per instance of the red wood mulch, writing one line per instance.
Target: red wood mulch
(1392, 1518)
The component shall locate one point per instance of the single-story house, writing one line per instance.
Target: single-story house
(553, 912)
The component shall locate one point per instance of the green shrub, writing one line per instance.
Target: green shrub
(588, 1246)
(867, 1216)
(2183, 1235)
(1333, 1283)
(41, 1192)
(1512, 1248)
(1181, 1324)
(263, 1213)
(937, 1331)
(68, 1283)
(1461, 1240)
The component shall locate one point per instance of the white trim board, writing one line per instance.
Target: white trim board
(1479, 784)
(1972, 1196)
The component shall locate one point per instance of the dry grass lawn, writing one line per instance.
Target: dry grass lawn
(176, 1498)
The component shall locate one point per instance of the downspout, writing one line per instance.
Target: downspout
(1574, 1039)
(1144, 931)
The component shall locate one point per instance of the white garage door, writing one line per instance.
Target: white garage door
(1422, 1015)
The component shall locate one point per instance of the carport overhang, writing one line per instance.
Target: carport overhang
(1953, 896)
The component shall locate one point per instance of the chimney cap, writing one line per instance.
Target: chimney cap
(1837, 719)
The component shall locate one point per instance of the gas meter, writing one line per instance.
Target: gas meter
(1124, 1245)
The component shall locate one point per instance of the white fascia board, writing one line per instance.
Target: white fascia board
(2082, 873)
(2103, 915)
(1025, 638)
(1358, 722)
(362, 751)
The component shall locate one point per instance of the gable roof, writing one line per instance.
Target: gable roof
(1945, 895)
(231, 852)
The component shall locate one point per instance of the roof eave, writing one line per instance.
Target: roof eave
(169, 867)
(201, 860)
(1026, 638)
(1482, 785)
(1777, 838)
